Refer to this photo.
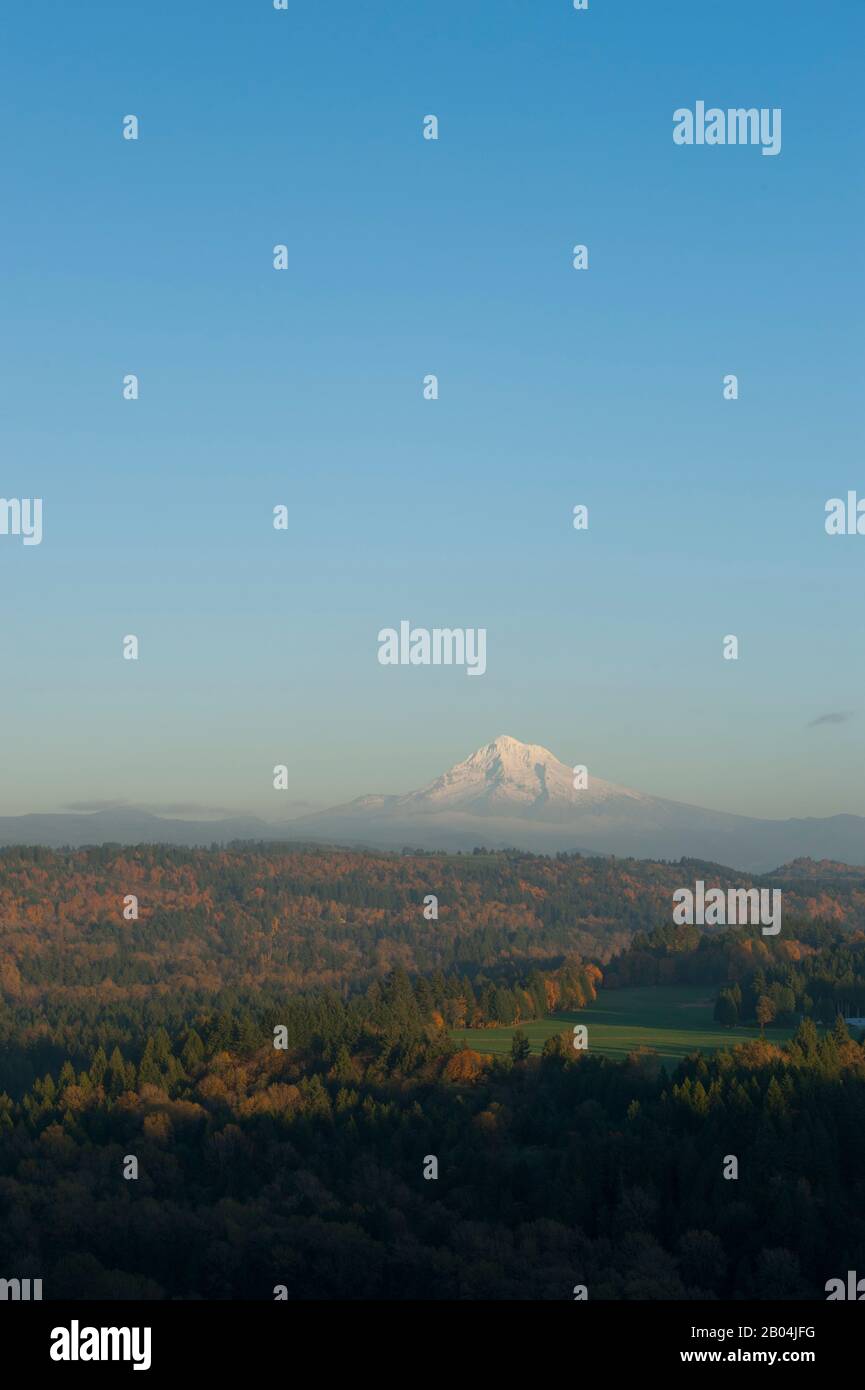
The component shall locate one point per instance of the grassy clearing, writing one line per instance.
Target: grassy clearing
(673, 1019)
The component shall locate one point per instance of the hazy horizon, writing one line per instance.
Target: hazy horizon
(287, 810)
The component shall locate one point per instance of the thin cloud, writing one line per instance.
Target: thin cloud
(840, 717)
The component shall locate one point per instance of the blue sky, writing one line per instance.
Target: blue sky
(303, 387)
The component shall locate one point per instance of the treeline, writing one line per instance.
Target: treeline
(33, 1042)
(295, 920)
(457, 1003)
(812, 969)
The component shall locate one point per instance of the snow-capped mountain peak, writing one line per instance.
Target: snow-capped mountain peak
(504, 772)
(509, 776)
(513, 794)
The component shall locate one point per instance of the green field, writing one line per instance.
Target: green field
(673, 1019)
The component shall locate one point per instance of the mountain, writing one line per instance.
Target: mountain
(125, 825)
(506, 795)
(512, 794)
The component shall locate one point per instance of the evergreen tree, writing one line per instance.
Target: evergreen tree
(726, 1012)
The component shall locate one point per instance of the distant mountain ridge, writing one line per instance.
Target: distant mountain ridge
(510, 794)
(505, 795)
(125, 825)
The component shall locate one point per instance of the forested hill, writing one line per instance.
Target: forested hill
(302, 919)
(269, 1041)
